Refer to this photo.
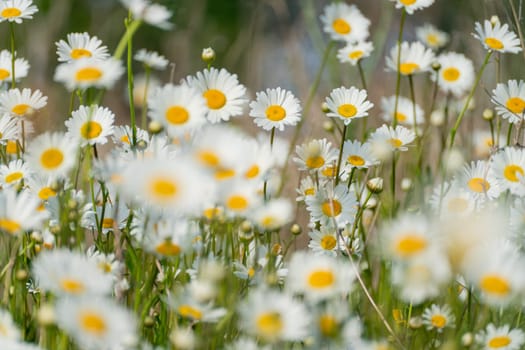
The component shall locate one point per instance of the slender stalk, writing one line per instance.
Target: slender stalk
(13, 54)
(398, 70)
(413, 97)
(509, 134)
(130, 84)
(131, 28)
(363, 83)
(393, 184)
(147, 71)
(338, 167)
(265, 186)
(518, 27)
(469, 98)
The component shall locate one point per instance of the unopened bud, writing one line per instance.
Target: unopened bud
(406, 184)
(154, 127)
(494, 20)
(46, 315)
(324, 107)
(415, 322)
(436, 66)
(328, 126)
(149, 321)
(208, 55)
(246, 226)
(21, 275)
(488, 114)
(467, 339)
(142, 145)
(296, 229)
(375, 185)
(437, 117)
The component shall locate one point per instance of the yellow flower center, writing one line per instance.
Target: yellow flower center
(17, 175)
(93, 323)
(215, 98)
(328, 242)
(10, 226)
(314, 162)
(355, 55)
(356, 160)
(516, 105)
(268, 221)
(479, 185)
(275, 113)
(211, 213)
(45, 193)
(451, 74)
(10, 12)
(269, 324)
(410, 244)
(189, 312)
(321, 279)
(511, 172)
(107, 223)
(177, 115)
(168, 248)
(90, 130)
(309, 191)
(328, 325)
(331, 208)
(80, 53)
(11, 147)
(88, 74)
(396, 143)
(494, 284)
(209, 158)
(408, 68)
(438, 321)
(347, 110)
(494, 43)
(4, 74)
(329, 171)
(499, 342)
(457, 204)
(252, 172)
(125, 139)
(223, 174)
(51, 158)
(407, 2)
(72, 286)
(341, 26)
(20, 109)
(400, 117)
(237, 203)
(163, 188)
(432, 39)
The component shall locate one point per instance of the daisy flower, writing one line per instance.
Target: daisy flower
(275, 108)
(81, 45)
(17, 345)
(318, 277)
(96, 323)
(151, 59)
(307, 188)
(107, 263)
(21, 103)
(333, 206)
(405, 111)
(438, 318)
(17, 10)
(64, 272)
(20, 212)
(21, 66)
(497, 38)
(354, 52)
(89, 72)
(154, 14)
(14, 172)
(179, 108)
(508, 168)
(324, 241)
(357, 155)
(414, 58)
(273, 316)
(395, 139)
(510, 100)
(347, 104)
(456, 74)
(272, 215)
(452, 201)
(412, 5)
(315, 154)
(222, 91)
(169, 238)
(8, 329)
(9, 129)
(90, 125)
(345, 22)
(431, 36)
(479, 179)
(52, 154)
(240, 197)
(189, 308)
(122, 135)
(501, 338)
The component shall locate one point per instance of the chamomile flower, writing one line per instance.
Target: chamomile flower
(21, 66)
(395, 139)
(275, 108)
(412, 5)
(337, 206)
(14, 172)
(324, 241)
(240, 197)
(497, 37)
(81, 45)
(431, 36)
(179, 108)
(318, 277)
(64, 272)
(345, 22)
(89, 72)
(20, 212)
(169, 238)
(223, 93)
(151, 59)
(17, 10)
(90, 125)
(354, 52)
(188, 307)
(479, 179)
(8, 329)
(452, 201)
(456, 74)
(307, 188)
(52, 154)
(510, 100)
(405, 111)
(95, 323)
(438, 318)
(357, 155)
(41, 186)
(107, 263)
(154, 14)
(315, 154)
(273, 316)
(501, 338)
(508, 167)
(414, 58)
(348, 104)
(272, 215)
(21, 103)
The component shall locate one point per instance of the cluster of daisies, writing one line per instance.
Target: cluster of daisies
(177, 236)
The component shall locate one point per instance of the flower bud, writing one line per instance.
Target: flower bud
(208, 55)
(375, 185)
(488, 114)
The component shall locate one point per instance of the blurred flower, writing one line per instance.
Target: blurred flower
(354, 52)
(405, 111)
(154, 14)
(21, 103)
(52, 154)
(431, 36)
(21, 66)
(412, 5)
(89, 72)
(345, 22)
(14, 172)
(395, 139)
(151, 59)
(414, 58)
(438, 317)
(81, 45)
(315, 154)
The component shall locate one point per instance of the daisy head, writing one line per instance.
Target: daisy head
(431, 36)
(395, 139)
(17, 10)
(456, 74)
(20, 212)
(357, 155)
(52, 154)
(497, 37)
(21, 66)
(509, 99)
(438, 318)
(347, 104)
(151, 59)
(21, 103)
(154, 14)
(223, 93)
(405, 111)
(508, 167)
(14, 172)
(275, 108)
(500, 338)
(81, 45)
(325, 241)
(89, 72)
(478, 178)
(354, 52)
(273, 215)
(412, 5)
(414, 58)
(333, 206)
(345, 22)
(90, 125)
(315, 155)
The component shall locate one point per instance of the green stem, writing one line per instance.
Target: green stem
(413, 97)
(509, 134)
(398, 76)
(363, 83)
(343, 137)
(469, 98)
(145, 99)
(265, 186)
(131, 28)
(130, 85)
(13, 57)
(393, 184)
